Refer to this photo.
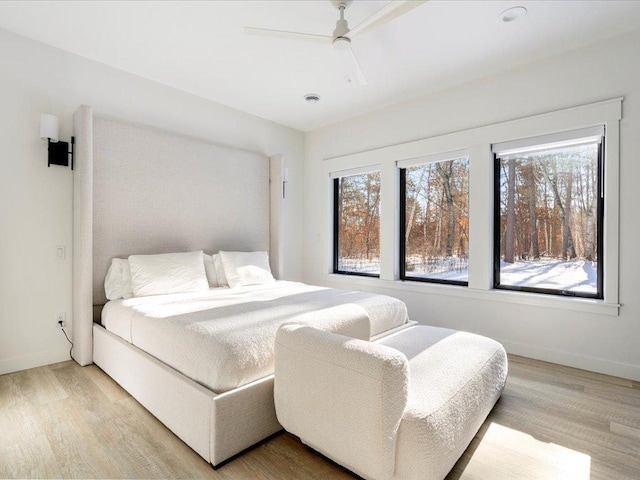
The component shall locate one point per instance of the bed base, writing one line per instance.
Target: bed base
(216, 426)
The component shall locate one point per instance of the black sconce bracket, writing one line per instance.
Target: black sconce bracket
(59, 153)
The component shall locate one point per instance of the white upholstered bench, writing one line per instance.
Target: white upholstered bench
(404, 407)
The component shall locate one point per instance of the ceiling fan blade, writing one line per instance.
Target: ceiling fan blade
(391, 10)
(265, 32)
(356, 75)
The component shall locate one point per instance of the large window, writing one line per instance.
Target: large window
(356, 212)
(434, 221)
(548, 215)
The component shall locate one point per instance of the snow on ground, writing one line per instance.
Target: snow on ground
(360, 265)
(460, 276)
(572, 275)
(438, 268)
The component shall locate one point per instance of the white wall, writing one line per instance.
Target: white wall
(595, 341)
(36, 201)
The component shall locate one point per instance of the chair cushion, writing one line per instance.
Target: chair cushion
(455, 378)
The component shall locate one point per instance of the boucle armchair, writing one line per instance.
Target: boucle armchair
(404, 407)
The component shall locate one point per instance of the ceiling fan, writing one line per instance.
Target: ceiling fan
(342, 35)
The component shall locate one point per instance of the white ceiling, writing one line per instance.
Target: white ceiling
(199, 47)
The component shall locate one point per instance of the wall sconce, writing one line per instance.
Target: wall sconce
(285, 180)
(58, 151)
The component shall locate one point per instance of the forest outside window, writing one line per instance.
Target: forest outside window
(549, 205)
(356, 229)
(434, 221)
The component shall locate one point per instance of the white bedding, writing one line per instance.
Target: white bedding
(224, 338)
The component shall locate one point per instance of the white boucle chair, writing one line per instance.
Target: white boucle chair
(404, 407)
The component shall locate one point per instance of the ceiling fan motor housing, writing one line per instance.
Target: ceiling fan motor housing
(341, 43)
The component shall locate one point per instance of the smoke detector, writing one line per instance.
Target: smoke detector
(312, 98)
(512, 14)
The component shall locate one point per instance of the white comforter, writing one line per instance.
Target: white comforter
(224, 338)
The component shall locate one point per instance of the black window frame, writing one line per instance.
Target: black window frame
(403, 244)
(599, 295)
(336, 235)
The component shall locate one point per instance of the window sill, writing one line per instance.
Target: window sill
(522, 298)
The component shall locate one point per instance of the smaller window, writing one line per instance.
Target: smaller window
(356, 230)
(434, 222)
(549, 206)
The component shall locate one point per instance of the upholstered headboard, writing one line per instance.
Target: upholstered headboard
(157, 192)
(140, 191)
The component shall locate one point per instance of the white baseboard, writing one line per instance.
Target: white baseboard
(599, 365)
(24, 362)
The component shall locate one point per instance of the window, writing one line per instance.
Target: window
(356, 242)
(434, 221)
(549, 206)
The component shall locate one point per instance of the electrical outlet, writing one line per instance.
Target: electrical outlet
(61, 319)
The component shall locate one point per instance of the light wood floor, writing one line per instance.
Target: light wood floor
(552, 422)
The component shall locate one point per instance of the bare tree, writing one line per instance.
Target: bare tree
(592, 195)
(568, 249)
(567, 238)
(533, 221)
(414, 202)
(509, 246)
(371, 222)
(446, 172)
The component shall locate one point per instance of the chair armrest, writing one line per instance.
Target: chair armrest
(342, 396)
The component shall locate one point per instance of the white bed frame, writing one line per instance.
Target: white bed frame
(216, 426)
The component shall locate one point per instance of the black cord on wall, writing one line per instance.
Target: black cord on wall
(67, 337)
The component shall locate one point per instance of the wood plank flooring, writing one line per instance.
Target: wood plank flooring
(552, 422)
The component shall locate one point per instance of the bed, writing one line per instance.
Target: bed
(202, 362)
(138, 190)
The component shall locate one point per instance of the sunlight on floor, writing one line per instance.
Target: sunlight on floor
(519, 455)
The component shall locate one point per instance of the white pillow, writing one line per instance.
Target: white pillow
(117, 283)
(222, 278)
(210, 270)
(168, 273)
(246, 268)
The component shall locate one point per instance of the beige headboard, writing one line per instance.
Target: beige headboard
(140, 191)
(158, 192)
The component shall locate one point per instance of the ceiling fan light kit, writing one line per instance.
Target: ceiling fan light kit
(342, 35)
(341, 43)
